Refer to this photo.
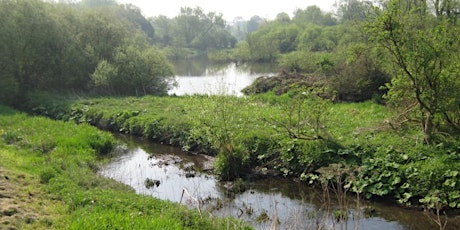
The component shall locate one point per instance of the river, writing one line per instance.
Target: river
(201, 77)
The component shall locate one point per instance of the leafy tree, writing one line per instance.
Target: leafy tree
(316, 38)
(238, 28)
(262, 47)
(313, 15)
(133, 14)
(48, 46)
(193, 29)
(283, 18)
(194, 25)
(134, 71)
(354, 10)
(163, 30)
(254, 23)
(28, 52)
(425, 49)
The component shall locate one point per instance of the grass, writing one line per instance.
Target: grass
(49, 180)
(278, 134)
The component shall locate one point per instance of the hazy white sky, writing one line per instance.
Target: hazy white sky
(229, 8)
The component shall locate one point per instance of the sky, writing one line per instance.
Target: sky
(229, 8)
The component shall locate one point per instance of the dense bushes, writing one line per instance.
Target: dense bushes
(73, 47)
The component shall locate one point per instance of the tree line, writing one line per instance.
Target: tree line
(192, 32)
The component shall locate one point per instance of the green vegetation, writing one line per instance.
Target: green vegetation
(404, 55)
(192, 33)
(292, 135)
(50, 181)
(83, 47)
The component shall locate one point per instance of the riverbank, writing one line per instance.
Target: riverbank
(266, 135)
(48, 180)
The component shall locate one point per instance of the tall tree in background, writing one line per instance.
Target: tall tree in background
(423, 42)
(193, 29)
(198, 28)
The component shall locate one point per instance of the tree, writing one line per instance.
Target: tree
(354, 10)
(29, 55)
(134, 71)
(283, 18)
(194, 24)
(133, 14)
(314, 15)
(163, 30)
(425, 49)
(254, 23)
(47, 46)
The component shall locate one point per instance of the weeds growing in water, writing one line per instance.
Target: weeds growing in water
(338, 180)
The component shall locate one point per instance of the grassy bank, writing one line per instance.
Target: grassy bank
(295, 136)
(48, 180)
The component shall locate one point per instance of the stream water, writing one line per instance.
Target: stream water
(201, 77)
(182, 179)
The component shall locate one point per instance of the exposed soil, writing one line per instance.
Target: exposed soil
(283, 82)
(17, 201)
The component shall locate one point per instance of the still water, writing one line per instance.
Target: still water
(201, 77)
(265, 203)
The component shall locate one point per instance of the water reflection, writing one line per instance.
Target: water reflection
(265, 203)
(202, 77)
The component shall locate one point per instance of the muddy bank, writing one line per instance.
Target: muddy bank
(283, 82)
(16, 197)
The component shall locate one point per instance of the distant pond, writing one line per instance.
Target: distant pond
(199, 76)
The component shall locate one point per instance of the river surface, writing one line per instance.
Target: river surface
(201, 77)
(287, 204)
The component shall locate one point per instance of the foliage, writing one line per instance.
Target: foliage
(424, 49)
(57, 47)
(135, 71)
(194, 29)
(313, 43)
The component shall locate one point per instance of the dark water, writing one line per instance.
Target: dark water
(266, 204)
(199, 76)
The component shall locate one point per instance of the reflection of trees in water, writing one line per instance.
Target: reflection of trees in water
(204, 67)
(195, 67)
